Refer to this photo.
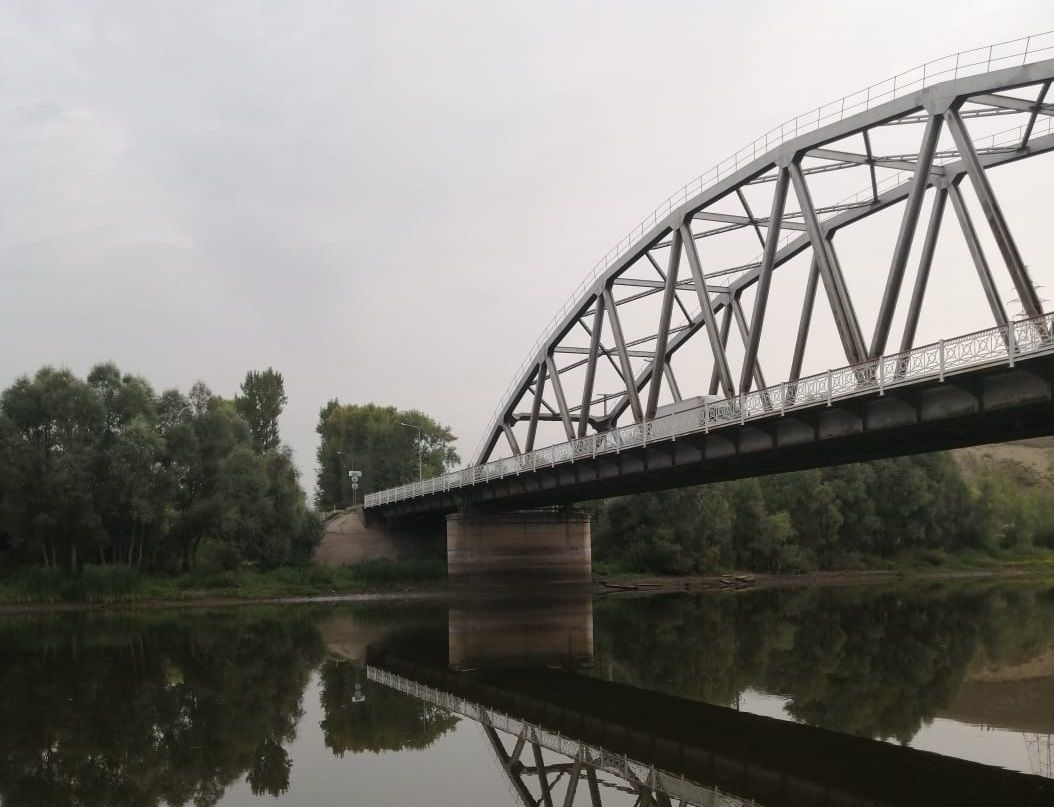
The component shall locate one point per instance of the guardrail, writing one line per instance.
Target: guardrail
(993, 346)
(975, 61)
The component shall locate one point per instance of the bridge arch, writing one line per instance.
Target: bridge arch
(707, 259)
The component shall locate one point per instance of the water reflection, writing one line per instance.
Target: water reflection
(209, 708)
(122, 712)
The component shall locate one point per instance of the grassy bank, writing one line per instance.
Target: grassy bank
(1038, 560)
(119, 584)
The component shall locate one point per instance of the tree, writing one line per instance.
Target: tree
(104, 470)
(261, 403)
(373, 439)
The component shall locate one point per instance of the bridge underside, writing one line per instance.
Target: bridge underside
(982, 406)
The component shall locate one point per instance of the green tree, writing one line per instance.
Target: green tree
(372, 439)
(261, 403)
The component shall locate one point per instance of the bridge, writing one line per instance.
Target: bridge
(767, 226)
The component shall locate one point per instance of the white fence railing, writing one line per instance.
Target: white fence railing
(955, 65)
(999, 345)
(626, 768)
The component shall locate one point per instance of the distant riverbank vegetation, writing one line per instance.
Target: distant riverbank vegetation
(928, 508)
(103, 478)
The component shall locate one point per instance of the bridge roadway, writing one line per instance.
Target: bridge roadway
(670, 750)
(985, 387)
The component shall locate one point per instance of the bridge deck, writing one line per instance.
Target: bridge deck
(985, 387)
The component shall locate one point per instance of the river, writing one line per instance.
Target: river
(914, 693)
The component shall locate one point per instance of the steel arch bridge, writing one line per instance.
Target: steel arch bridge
(714, 256)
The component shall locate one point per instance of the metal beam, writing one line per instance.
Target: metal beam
(584, 351)
(750, 216)
(572, 782)
(745, 334)
(663, 333)
(907, 341)
(594, 787)
(761, 298)
(543, 778)
(536, 407)
(805, 323)
(1009, 102)
(687, 284)
(591, 367)
(837, 293)
(503, 758)
(977, 253)
(513, 445)
(862, 159)
(742, 221)
(620, 347)
(561, 401)
(671, 382)
(718, 350)
(905, 236)
(1035, 113)
(1026, 291)
(871, 165)
(726, 326)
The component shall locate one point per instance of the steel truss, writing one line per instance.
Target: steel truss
(941, 99)
(668, 256)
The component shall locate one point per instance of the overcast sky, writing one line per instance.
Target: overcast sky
(384, 201)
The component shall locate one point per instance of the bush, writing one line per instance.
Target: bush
(399, 571)
(109, 583)
(102, 583)
(935, 557)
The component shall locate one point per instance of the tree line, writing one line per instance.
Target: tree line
(826, 518)
(106, 470)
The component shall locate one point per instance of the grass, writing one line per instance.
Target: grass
(1032, 560)
(119, 584)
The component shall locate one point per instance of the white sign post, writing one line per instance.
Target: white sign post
(354, 476)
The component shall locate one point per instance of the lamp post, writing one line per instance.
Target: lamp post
(354, 476)
(420, 466)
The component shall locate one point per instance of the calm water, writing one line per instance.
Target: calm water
(643, 700)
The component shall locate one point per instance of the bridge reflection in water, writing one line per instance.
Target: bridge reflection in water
(561, 737)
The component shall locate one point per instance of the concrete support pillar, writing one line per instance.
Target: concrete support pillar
(545, 631)
(549, 546)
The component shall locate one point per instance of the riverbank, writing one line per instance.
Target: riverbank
(426, 580)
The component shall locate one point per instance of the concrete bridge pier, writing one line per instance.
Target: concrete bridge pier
(529, 545)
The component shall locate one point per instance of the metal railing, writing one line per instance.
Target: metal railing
(626, 768)
(993, 346)
(975, 61)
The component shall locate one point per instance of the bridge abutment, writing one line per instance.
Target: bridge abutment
(542, 545)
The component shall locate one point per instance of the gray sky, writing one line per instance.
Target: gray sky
(385, 201)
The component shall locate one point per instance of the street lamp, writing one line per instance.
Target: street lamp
(420, 467)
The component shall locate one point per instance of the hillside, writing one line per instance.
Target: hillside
(1036, 454)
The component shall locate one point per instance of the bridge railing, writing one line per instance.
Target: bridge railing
(975, 61)
(992, 346)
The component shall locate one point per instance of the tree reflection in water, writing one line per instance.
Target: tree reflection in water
(383, 720)
(130, 712)
(872, 661)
